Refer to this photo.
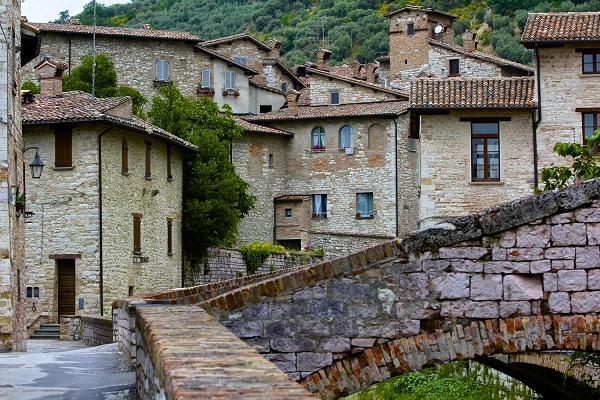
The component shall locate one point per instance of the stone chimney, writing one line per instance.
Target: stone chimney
(372, 70)
(51, 71)
(292, 102)
(275, 46)
(73, 21)
(146, 26)
(323, 59)
(356, 69)
(469, 42)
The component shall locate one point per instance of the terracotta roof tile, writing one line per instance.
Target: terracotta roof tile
(562, 27)
(373, 86)
(472, 93)
(292, 197)
(254, 128)
(82, 107)
(339, 111)
(243, 35)
(114, 31)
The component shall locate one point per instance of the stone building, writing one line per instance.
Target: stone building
(19, 46)
(107, 213)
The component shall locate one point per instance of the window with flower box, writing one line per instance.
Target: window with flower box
(318, 139)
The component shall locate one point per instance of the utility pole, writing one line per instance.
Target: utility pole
(94, 52)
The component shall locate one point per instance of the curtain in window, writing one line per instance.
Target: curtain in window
(318, 138)
(346, 136)
(320, 205)
(364, 204)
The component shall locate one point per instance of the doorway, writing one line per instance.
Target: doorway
(66, 287)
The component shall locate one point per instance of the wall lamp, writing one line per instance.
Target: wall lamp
(37, 164)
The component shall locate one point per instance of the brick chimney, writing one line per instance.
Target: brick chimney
(323, 59)
(292, 102)
(275, 46)
(372, 72)
(51, 71)
(356, 69)
(469, 42)
(73, 21)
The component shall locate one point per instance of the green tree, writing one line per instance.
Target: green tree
(105, 84)
(63, 16)
(215, 198)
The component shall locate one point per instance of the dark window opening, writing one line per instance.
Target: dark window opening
(288, 212)
(63, 150)
(410, 29)
(169, 236)
(485, 151)
(148, 152)
(124, 157)
(137, 233)
(454, 67)
(265, 108)
(590, 125)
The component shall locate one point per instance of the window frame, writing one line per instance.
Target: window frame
(230, 80)
(595, 121)
(486, 153)
(410, 29)
(63, 148)
(319, 212)
(288, 212)
(344, 137)
(595, 53)
(454, 67)
(160, 77)
(271, 160)
(369, 205)
(241, 59)
(205, 81)
(284, 87)
(331, 95)
(137, 233)
(318, 138)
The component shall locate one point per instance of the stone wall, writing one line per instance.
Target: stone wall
(93, 331)
(322, 86)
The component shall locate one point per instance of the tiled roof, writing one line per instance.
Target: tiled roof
(339, 111)
(243, 35)
(343, 71)
(55, 62)
(253, 128)
(482, 56)
(472, 93)
(82, 107)
(226, 59)
(418, 8)
(562, 27)
(385, 58)
(112, 31)
(360, 82)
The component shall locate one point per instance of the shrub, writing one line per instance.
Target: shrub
(256, 253)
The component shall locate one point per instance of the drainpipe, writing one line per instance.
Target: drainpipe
(536, 121)
(275, 222)
(396, 170)
(69, 37)
(100, 242)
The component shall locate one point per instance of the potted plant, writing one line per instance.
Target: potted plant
(318, 147)
(225, 93)
(19, 201)
(236, 93)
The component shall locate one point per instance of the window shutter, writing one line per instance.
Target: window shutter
(205, 78)
(169, 236)
(162, 70)
(148, 151)
(137, 233)
(63, 148)
(229, 80)
(124, 157)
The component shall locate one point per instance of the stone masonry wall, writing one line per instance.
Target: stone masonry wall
(321, 87)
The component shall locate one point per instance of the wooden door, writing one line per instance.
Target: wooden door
(66, 287)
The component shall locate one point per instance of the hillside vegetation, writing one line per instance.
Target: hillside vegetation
(351, 29)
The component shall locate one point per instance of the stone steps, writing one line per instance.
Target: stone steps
(47, 331)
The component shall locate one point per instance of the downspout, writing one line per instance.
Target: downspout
(274, 222)
(100, 242)
(536, 122)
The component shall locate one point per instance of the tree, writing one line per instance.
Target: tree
(63, 16)
(105, 84)
(584, 164)
(215, 198)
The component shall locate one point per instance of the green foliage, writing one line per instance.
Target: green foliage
(28, 85)
(584, 164)
(583, 359)
(105, 84)
(215, 198)
(256, 253)
(63, 16)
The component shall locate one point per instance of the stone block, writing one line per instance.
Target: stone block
(509, 309)
(594, 279)
(451, 286)
(308, 362)
(585, 302)
(387, 298)
(499, 254)
(508, 239)
(326, 307)
(363, 311)
(343, 327)
(435, 265)
(256, 311)
(452, 309)
(363, 342)
(316, 292)
(481, 309)
(336, 345)
(563, 264)
(539, 267)
(560, 253)
(293, 345)
(411, 327)
(587, 257)
(587, 215)
(245, 329)
(285, 310)
(533, 236)
(569, 235)
(505, 267)
(525, 254)
(486, 287)
(550, 282)
(466, 266)
(564, 218)
(467, 253)
(559, 303)
(411, 266)
(413, 286)
(284, 361)
(572, 280)
(353, 291)
(522, 287)
(593, 234)
(275, 329)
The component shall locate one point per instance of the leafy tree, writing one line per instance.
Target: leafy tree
(215, 198)
(105, 84)
(28, 85)
(63, 16)
(584, 165)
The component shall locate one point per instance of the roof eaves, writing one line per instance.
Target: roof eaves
(226, 59)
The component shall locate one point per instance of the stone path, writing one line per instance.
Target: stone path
(52, 369)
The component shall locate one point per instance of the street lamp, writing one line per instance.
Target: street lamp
(36, 165)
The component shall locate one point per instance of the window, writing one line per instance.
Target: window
(124, 157)
(319, 206)
(169, 172)
(230, 80)
(364, 205)
(205, 82)
(241, 59)
(162, 70)
(454, 67)
(485, 151)
(335, 97)
(410, 29)
(411, 145)
(265, 108)
(590, 124)
(288, 212)
(148, 174)
(318, 138)
(346, 136)
(29, 291)
(44, 56)
(137, 233)
(170, 236)
(63, 156)
(270, 160)
(284, 87)
(36, 291)
(591, 61)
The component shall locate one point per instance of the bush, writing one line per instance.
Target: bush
(256, 253)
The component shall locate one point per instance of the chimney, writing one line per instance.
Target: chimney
(51, 71)
(275, 46)
(323, 59)
(73, 21)
(372, 72)
(146, 26)
(292, 102)
(469, 42)
(356, 68)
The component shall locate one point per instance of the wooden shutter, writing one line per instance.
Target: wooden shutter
(124, 157)
(63, 156)
(205, 78)
(169, 236)
(148, 151)
(169, 173)
(137, 233)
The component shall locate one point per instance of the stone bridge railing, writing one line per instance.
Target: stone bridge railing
(524, 276)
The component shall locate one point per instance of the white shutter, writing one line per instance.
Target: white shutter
(162, 70)
(229, 80)
(205, 78)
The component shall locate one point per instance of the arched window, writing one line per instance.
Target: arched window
(346, 136)
(124, 156)
(318, 138)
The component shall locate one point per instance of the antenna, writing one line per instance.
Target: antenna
(438, 29)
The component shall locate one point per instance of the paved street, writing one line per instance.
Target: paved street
(52, 369)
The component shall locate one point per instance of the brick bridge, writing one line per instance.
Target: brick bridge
(519, 278)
